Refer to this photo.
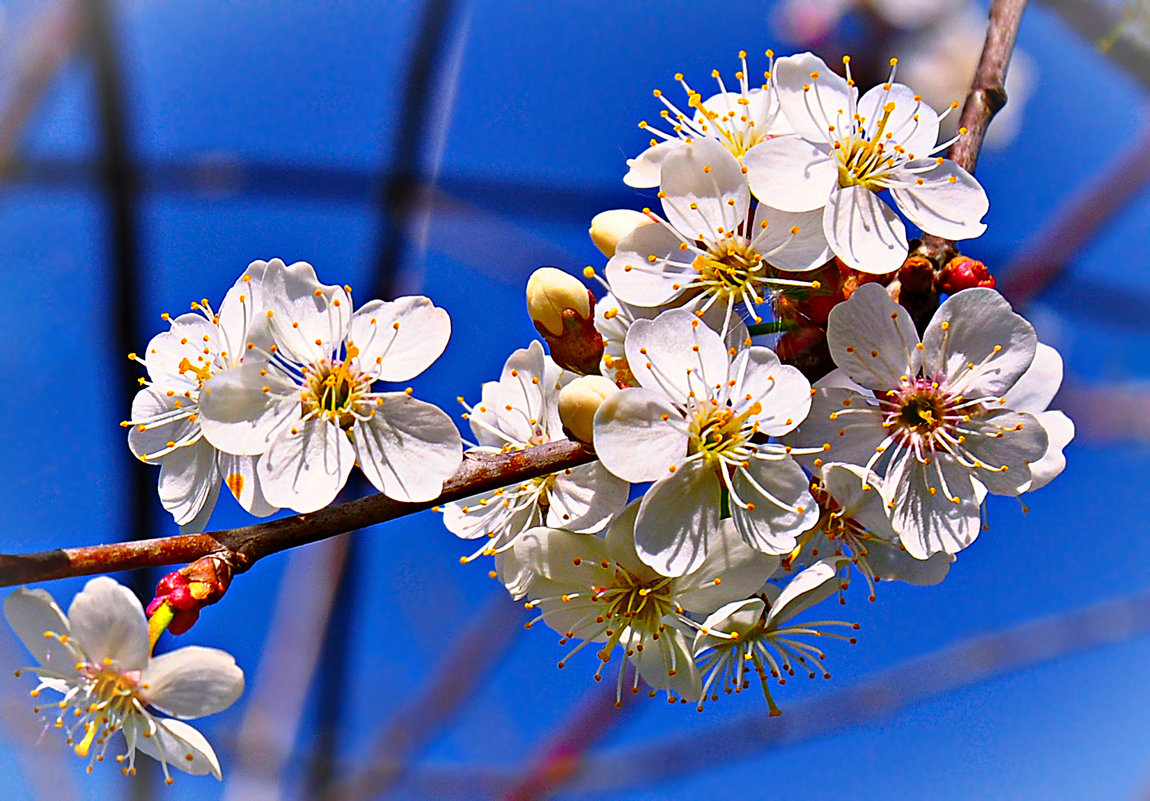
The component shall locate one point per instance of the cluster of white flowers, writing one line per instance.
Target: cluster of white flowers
(761, 495)
(754, 495)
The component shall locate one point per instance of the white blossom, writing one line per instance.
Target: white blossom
(696, 426)
(519, 411)
(165, 424)
(853, 524)
(710, 243)
(846, 150)
(753, 634)
(98, 658)
(598, 590)
(936, 419)
(307, 403)
(737, 120)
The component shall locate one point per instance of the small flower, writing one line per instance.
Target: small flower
(307, 402)
(709, 243)
(848, 149)
(751, 634)
(696, 426)
(165, 427)
(598, 590)
(853, 526)
(517, 412)
(98, 659)
(736, 120)
(938, 424)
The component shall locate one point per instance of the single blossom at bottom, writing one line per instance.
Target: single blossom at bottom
(97, 657)
(598, 590)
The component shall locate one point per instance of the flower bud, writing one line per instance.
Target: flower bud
(608, 227)
(190, 589)
(550, 292)
(563, 311)
(916, 275)
(964, 273)
(578, 402)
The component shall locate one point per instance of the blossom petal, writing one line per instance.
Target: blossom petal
(791, 240)
(944, 200)
(179, 745)
(238, 416)
(584, 499)
(636, 415)
(561, 556)
(676, 513)
(109, 622)
(930, 523)
(1059, 433)
(778, 502)
(398, 340)
(810, 587)
(912, 123)
(306, 466)
(675, 355)
(851, 439)
(648, 264)
(240, 476)
(858, 491)
(812, 96)
(873, 339)
(790, 174)
(704, 191)
(31, 613)
(645, 170)
(1003, 444)
(408, 448)
(188, 480)
(666, 663)
(192, 682)
(978, 343)
(308, 320)
(732, 570)
(166, 422)
(891, 563)
(865, 233)
(1036, 388)
(783, 391)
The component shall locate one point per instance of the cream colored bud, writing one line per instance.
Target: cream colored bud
(550, 292)
(578, 402)
(608, 227)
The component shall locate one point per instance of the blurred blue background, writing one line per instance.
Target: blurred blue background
(150, 150)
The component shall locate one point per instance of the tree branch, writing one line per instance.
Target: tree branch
(243, 547)
(987, 97)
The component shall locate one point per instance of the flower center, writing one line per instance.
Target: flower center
(332, 389)
(865, 161)
(106, 701)
(718, 434)
(921, 412)
(730, 266)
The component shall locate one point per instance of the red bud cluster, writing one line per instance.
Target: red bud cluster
(190, 589)
(963, 273)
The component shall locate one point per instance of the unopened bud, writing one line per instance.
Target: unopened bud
(916, 275)
(964, 273)
(190, 589)
(563, 311)
(550, 292)
(608, 227)
(578, 402)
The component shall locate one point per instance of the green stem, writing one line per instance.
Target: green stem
(774, 327)
(158, 623)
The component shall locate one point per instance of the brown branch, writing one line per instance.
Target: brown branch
(987, 97)
(242, 547)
